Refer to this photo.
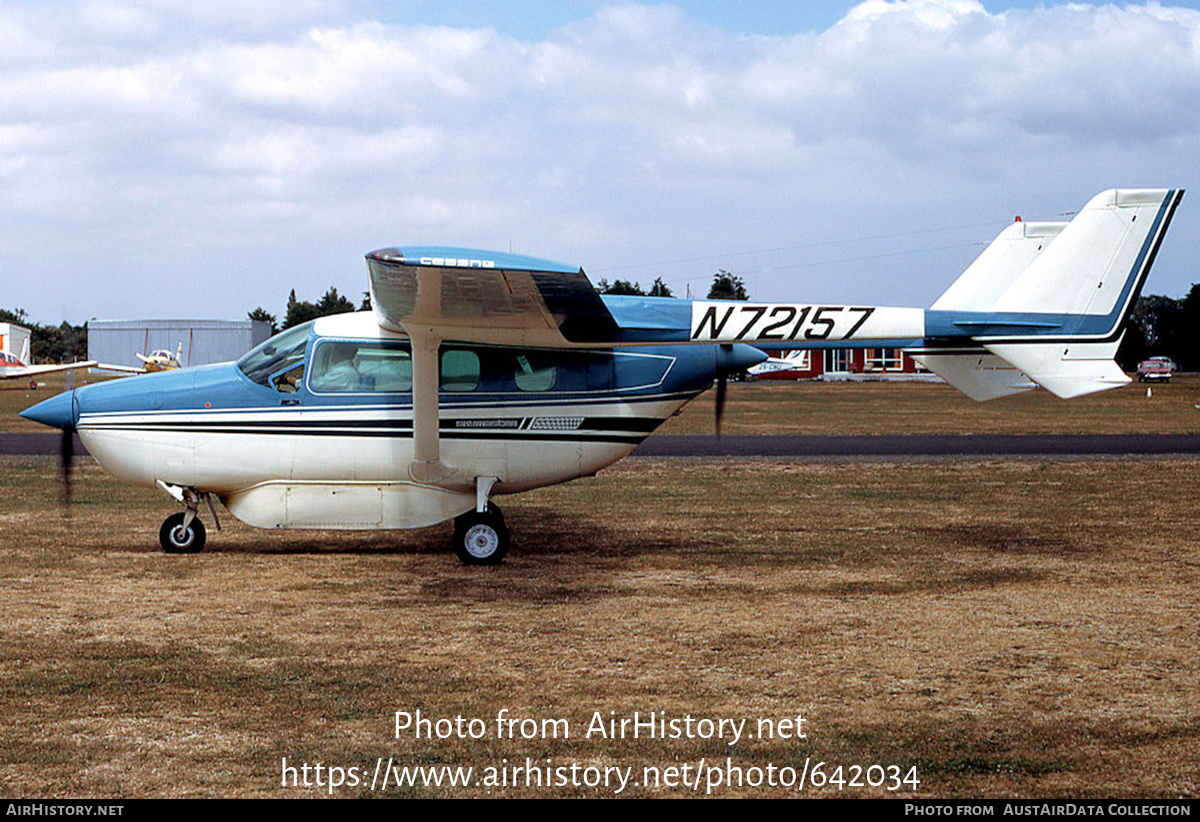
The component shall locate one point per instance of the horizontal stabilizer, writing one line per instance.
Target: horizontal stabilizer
(979, 375)
(1066, 370)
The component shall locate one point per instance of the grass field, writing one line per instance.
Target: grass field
(1008, 629)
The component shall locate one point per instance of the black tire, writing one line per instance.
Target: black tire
(174, 539)
(481, 539)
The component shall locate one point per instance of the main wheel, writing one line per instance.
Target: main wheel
(175, 539)
(481, 539)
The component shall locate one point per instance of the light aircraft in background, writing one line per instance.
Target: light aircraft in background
(159, 359)
(162, 360)
(791, 366)
(478, 374)
(14, 367)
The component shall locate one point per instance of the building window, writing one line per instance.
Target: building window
(884, 359)
(837, 361)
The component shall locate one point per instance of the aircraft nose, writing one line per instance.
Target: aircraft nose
(57, 412)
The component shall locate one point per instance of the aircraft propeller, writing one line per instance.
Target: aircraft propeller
(722, 381)
(725, 352)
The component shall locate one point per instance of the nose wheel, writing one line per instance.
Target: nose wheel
(481, 538)
(182, 533)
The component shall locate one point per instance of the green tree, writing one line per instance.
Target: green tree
(625, 287)
(58, 343)
(1185, 333)
(302, 311)
(1152, 324)
(660, 289)
(727, 286)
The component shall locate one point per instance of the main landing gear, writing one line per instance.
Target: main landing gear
(481, 538)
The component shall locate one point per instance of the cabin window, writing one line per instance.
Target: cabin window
(535, 373)
(360, 367)
(278, 362)
(460, 370)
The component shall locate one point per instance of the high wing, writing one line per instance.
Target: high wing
(477, 296)
(470, 295)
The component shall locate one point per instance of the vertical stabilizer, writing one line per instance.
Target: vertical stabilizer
(1048, 301)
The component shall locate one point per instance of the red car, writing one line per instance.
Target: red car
(1155, 369)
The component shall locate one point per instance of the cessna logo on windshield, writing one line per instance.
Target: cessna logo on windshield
(457, 262)
(724, 322)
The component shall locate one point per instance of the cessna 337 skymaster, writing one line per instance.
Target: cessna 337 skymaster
(478, 374)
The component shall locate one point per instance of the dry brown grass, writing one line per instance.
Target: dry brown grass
(924, 408)
(1009, 628)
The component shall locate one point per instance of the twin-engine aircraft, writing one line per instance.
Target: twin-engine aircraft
(478, 374)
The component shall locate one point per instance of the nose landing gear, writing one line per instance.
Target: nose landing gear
(184, 533)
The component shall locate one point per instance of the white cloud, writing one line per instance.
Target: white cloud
(288, 140)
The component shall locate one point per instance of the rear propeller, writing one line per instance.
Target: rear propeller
(722, 382)
(723, 353)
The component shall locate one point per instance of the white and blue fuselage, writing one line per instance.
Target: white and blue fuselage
(314, 428)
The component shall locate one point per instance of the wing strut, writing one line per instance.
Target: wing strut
(427, 466)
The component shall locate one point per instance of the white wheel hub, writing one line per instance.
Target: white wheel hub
(481, 541)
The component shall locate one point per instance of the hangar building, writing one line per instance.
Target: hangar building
(204, 341)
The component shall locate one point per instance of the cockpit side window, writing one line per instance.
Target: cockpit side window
(360, 367)
(281, 358)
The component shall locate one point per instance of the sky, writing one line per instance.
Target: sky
(176, 159)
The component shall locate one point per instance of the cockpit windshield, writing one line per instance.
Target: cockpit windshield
(281, 353)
